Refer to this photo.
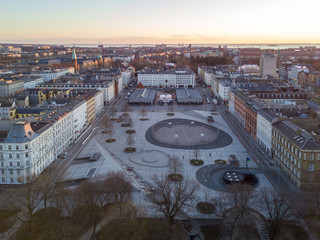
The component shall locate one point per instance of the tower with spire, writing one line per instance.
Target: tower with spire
(74, 60)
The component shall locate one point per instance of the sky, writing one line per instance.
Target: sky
(159, 21)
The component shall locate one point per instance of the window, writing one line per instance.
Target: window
(27, 163)
(3, 180)
(18, 155)
(11, 180)
(298, 175)
(18, 172)
(9, 147)
(27, 154)
(1, 147)
(1, 155)
(17, 147)
(310, 177)
(295, 171)
(18, 164)
(10, 155)
(10, 164)
(311, 156)
(2, 171)
(299, 165)
(311, 167)
(11, 172)
(26, 146)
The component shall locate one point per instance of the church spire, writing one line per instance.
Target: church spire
(74, 60)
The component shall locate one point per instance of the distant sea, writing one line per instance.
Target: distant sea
(261, 46)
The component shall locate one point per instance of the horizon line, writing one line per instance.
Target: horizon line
(305, 43)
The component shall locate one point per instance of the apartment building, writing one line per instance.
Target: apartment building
(176, 78)
(50, 74)
(39, 137)
(268, 65)
(8, 87)
(297, 151)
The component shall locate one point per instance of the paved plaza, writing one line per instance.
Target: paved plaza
(151, 159)
(187, 134)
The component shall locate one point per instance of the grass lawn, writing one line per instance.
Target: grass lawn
(292, 232)
(49, 224)
(7, 219)
(139, 229)
(210, 232)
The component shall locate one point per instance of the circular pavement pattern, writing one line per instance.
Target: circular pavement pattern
(151, 158)
(212, 176)
(187, 134)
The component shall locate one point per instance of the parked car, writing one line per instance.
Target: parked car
(210, 119)
(233, 160)
(94, 157)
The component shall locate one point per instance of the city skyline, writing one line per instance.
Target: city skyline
(168, 22)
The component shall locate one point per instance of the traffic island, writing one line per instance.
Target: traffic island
(175, 177)
(220, 162)
(130, 131)
(110, 140)
(214, 113)
(196, 162)
(144, 119)
(170, 114)
(113, 119)
(205, 207)
(125, 125)
(130, 149)
(125, 114)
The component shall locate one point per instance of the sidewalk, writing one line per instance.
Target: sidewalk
(271, 172)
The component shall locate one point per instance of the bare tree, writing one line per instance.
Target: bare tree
(130, 140)
(126, 108)
(278, 208)
(47, 182)
(113, 111)
(170, 108)
(175, 165)
(196, 152)
(94, 195)
(236, 208)
(119, 188)
(143, 112)
(28, 198)
(108, 126)
(171, 198)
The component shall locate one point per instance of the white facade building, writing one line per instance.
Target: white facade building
(48, 75)
(30, 147)
(10, 87)
(224, 90)
(4, 109)
(294, 71)
(107, 88)
(265, 120)
(176, 78)
(32, 82)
